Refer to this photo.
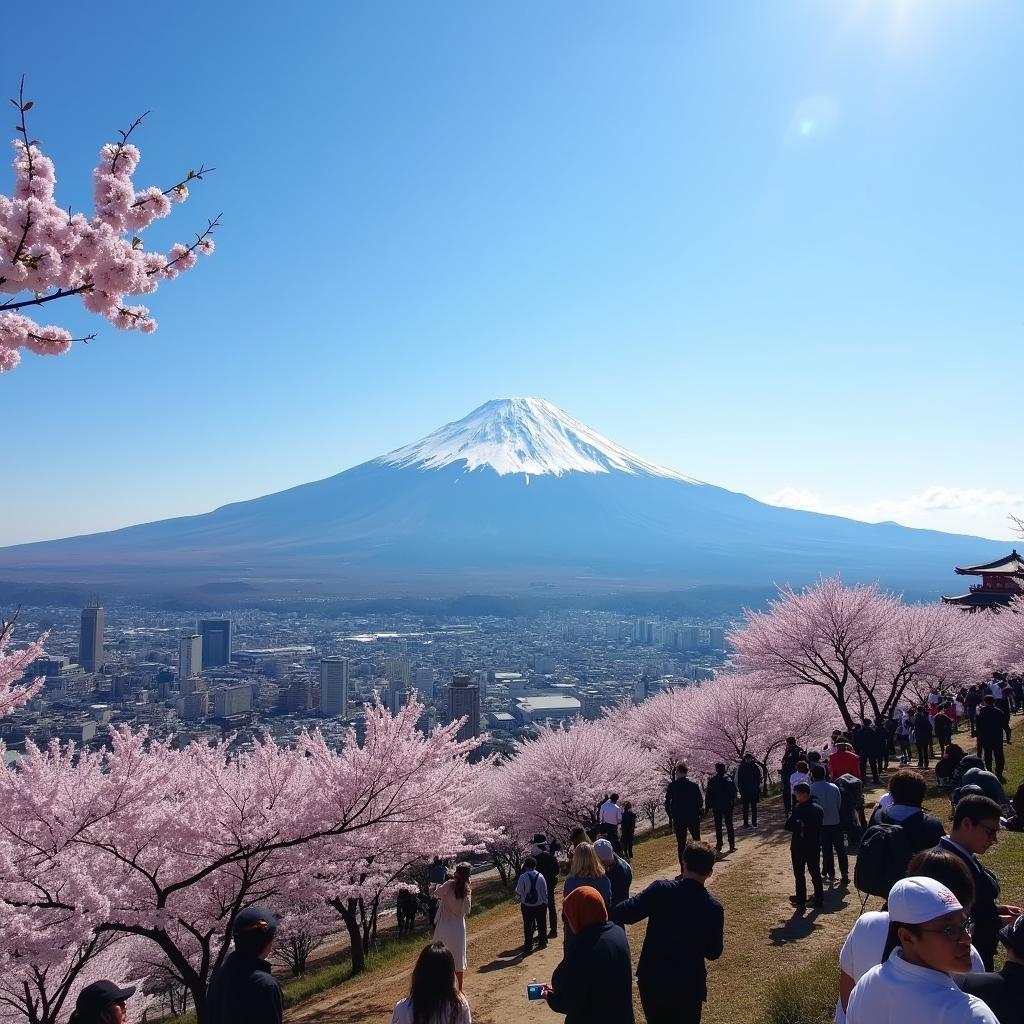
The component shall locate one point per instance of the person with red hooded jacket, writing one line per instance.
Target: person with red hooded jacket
(844, 762)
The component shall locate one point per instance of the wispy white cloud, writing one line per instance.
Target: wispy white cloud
(978, 510)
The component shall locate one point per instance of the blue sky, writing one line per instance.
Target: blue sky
(776, 246)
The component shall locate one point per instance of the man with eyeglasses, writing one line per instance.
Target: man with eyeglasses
(975, 831)
(915, 984)
(1003, 992)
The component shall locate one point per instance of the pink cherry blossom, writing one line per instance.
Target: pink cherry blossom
(47, 255)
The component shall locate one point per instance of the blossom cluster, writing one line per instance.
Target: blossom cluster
(49, 253)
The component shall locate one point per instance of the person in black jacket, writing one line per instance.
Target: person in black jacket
(594, 982)
(975, 827)
(1003, 992)
(875, 742)
(243, 991)
(859, 741)
(547, 865)
(685, 927)
(923, 737)
(684, 803)
(720, 796)
(628, 829)
(790, 756)
(908, 790)
(991, 723)
(748, 783)
(804, 825)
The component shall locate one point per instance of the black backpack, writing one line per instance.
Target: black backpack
(885, 851)
(532, 900)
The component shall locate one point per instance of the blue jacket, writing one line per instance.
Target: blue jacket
(603, 885)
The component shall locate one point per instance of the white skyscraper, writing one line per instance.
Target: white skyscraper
(190, 656)
(334, 687)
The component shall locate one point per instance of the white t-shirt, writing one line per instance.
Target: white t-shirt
(403, 1013)
(610, 814)
(798, 777)
(897, 992)
(997, 690)
(865, 945)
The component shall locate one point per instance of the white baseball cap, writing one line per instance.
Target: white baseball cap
(916, 900)
(605, 851)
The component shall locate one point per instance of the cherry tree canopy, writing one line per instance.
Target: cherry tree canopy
(48, 253)
(169, 845)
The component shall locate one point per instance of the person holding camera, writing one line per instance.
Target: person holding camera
(594, 982)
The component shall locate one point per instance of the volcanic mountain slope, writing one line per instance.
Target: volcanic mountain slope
(517, 492)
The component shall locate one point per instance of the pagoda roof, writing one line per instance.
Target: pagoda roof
(982, 599)
(1009, 565)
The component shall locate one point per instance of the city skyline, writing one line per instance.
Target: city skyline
(774, 249)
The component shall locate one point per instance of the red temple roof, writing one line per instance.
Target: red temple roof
(1009, 565)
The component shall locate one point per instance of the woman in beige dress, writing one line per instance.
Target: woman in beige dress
(454, 900)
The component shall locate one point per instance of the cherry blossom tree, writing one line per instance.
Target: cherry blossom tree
(168, 845)
(861, 647)
(12, 668)
(1003, 633)
(48, 253)
(723, 719)
(305, 926)
(557, 781)
(738, 714)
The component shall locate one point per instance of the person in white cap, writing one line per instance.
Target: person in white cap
(915, 985)
(868, 944)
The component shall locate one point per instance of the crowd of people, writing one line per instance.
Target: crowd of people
(929, 955)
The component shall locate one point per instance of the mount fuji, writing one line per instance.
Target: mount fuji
(517, 493)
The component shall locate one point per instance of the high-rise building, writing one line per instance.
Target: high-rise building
(334, 687)
(399, 672)
(90, 645)
(190, 656)
(717, 636)
(423, 680)
(191, 684)
(300, 695)
(398, 700)
(195, 706)
(464, 700)
(216, 637)
(232, 700)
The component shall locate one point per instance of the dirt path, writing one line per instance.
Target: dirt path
(764, 938)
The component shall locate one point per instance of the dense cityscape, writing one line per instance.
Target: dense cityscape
(246, 673)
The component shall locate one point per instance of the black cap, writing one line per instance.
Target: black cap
(255, 919)
(1012, 935)
(96, 997)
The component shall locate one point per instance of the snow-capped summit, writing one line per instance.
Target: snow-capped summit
(523, 435)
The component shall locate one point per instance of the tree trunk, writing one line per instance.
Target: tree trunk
(349, 914)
